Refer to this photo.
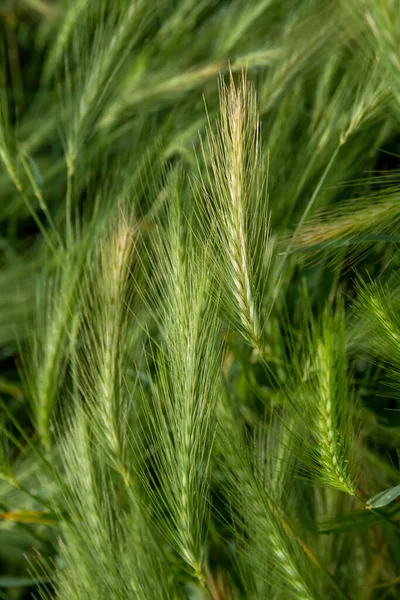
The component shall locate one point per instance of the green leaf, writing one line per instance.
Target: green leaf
(10, 582)
(35, 171)
(384, 498)
(350, 522)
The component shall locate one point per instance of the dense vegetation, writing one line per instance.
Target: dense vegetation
(199, 299)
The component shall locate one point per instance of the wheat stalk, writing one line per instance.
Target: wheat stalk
(235, 197)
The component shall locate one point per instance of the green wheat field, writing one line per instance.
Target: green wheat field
(200, 299)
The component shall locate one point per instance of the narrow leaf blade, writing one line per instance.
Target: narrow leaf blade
(384, 498)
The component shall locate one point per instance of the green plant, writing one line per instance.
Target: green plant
(199, 324)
